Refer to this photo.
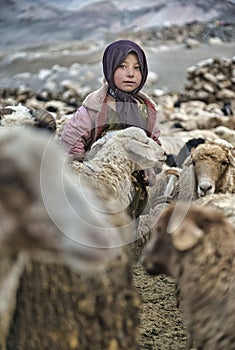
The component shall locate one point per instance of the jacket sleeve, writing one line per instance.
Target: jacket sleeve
(153, 129)
(156, 132)
(77, 131)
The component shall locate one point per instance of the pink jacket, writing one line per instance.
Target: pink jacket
(86, 125)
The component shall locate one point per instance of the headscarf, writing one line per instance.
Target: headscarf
(126, 103)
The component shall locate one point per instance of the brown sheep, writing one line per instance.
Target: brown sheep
(196, 246)
(214, 167)
(49, 223)
(212, 170)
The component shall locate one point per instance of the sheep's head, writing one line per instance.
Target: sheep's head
(211, 162)
(180, 228)
(141, 149)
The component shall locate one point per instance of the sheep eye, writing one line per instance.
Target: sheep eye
(224, 162)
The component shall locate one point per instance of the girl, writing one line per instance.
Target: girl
(116, 105)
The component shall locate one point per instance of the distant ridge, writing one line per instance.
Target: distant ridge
(27, 23)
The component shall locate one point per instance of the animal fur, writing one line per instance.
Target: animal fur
(117, 156)
(195, 245)
(212, 170)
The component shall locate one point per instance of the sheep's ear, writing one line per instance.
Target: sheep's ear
(186, 236)
(231, 158)
(142, 150)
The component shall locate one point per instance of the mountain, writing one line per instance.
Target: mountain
(27, 23)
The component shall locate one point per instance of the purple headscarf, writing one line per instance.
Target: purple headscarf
(126, 104)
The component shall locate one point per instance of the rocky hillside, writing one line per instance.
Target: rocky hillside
(28, 24)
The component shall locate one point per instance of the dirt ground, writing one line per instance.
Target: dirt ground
(162, 326)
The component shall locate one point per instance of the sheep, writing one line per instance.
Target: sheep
(195, 245)
(172, 144)
(48, 220)
(221, 201)
(40, 199)
(196, 117)
(160, 195)
(195, 133)
(164, 184)
(212, 171)
(225, 133)
(214, 167)
(117, 156)
(23, 116)
(178, 159)
(177, 145)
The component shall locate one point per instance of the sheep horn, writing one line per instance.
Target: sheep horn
(231, 159)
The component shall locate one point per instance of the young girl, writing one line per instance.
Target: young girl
(116, 105)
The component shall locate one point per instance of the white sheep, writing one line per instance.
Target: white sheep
(225, 133)
(117, 156)
(43, 209)
(199, 118)
(22, 116)
(224, 202)
(195, 245)
(212, 171)
(15, 116)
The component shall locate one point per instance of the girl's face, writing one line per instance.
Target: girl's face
(128, 77)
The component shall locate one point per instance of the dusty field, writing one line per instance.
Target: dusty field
(162, 326)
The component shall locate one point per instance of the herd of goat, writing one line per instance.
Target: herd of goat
(76, 213)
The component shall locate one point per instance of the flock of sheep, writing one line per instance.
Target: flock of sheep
(190, 214)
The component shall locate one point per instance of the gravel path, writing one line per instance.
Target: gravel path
(162, 326)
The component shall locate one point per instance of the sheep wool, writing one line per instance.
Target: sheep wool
(65, 240)
(195, 245)
(115, 158)
(210, 170)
